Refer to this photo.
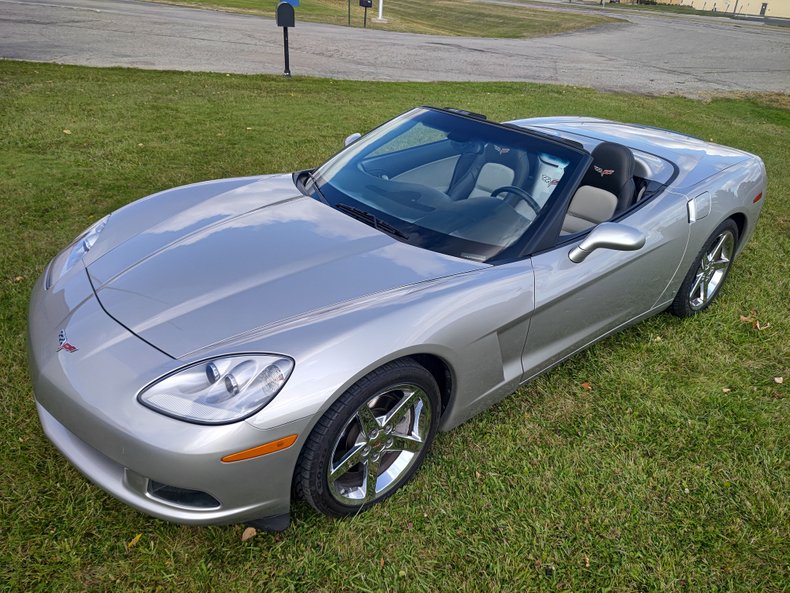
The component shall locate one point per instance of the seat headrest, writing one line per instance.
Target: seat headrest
(512, 158)
(612, 167)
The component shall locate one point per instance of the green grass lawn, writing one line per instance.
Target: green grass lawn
(670, 474)
(466, 18)
(668, 8)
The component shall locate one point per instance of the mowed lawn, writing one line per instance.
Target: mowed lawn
(670, 473)
(464, 18)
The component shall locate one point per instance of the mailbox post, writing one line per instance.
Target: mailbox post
(285, 19)
(366, 4)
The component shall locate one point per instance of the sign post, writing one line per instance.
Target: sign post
(285, 19)
(366, 4)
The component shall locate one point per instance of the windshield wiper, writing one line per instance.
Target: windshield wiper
(318, 191)
(371, 220)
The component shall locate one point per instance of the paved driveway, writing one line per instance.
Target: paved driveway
(648, 54)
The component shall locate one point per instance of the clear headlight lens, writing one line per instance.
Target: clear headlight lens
(74, 252)
(221, 390)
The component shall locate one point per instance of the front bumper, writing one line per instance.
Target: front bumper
(86, 400)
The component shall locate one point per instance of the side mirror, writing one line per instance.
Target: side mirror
(351, 138)
(608, 235)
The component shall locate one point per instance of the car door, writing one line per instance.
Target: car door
(577, 303)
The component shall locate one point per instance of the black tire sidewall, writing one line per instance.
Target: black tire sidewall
(310, 478)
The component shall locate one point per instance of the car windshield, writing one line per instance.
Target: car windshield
(447, 182)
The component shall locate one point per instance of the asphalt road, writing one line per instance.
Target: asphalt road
(648, 54)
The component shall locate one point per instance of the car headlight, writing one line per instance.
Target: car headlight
(220, 390)
(74, 252)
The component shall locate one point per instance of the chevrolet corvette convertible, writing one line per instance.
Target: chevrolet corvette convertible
(211, 352)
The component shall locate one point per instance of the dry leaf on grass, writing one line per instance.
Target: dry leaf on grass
(586, 386)
(67, 132)
(725, 389)
(756, 323)
(248, 533)
(779, 380)
(134, 541)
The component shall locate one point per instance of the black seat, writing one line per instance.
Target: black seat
(492, 167)
(606, 189)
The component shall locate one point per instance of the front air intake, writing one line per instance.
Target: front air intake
(182, 496)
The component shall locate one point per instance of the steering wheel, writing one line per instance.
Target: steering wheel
(521, 193)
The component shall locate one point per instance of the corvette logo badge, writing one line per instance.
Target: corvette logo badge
(603, 171)
(63, 344)
(549, 181)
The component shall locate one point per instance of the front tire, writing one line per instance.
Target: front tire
(371, 441)
(708, 272)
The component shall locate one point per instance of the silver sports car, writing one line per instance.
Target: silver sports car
(209, 352)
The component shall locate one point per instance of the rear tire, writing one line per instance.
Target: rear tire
(708, 272)
(371, 441)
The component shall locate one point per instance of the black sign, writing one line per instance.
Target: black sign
(285, 15)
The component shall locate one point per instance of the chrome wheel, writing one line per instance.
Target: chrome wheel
(371, 440)
(379, 444)
(712, 270)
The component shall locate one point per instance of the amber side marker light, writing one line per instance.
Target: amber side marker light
(265, 449)
(757, 198)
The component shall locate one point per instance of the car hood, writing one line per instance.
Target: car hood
(253, 253)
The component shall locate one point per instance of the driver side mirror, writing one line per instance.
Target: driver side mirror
(608, 235)
(351, 138)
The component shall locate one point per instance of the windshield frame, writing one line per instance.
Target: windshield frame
(578, 159)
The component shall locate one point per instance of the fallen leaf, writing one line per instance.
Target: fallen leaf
(67, 132)
(140, 144)
(586, 561)
(756, 323)
(657, 339)
(586, 386)
(18, 278)
(478, 475)
(248, 533)
(779, 380)
(381, 562)
(725, 389)
(134, 541)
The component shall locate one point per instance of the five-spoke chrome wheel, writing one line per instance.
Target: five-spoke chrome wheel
(379, 444)
(371, 440)
(712, 269)
(708, 272)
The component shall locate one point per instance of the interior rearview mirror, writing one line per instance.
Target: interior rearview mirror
(608, 235)
(351, 138)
